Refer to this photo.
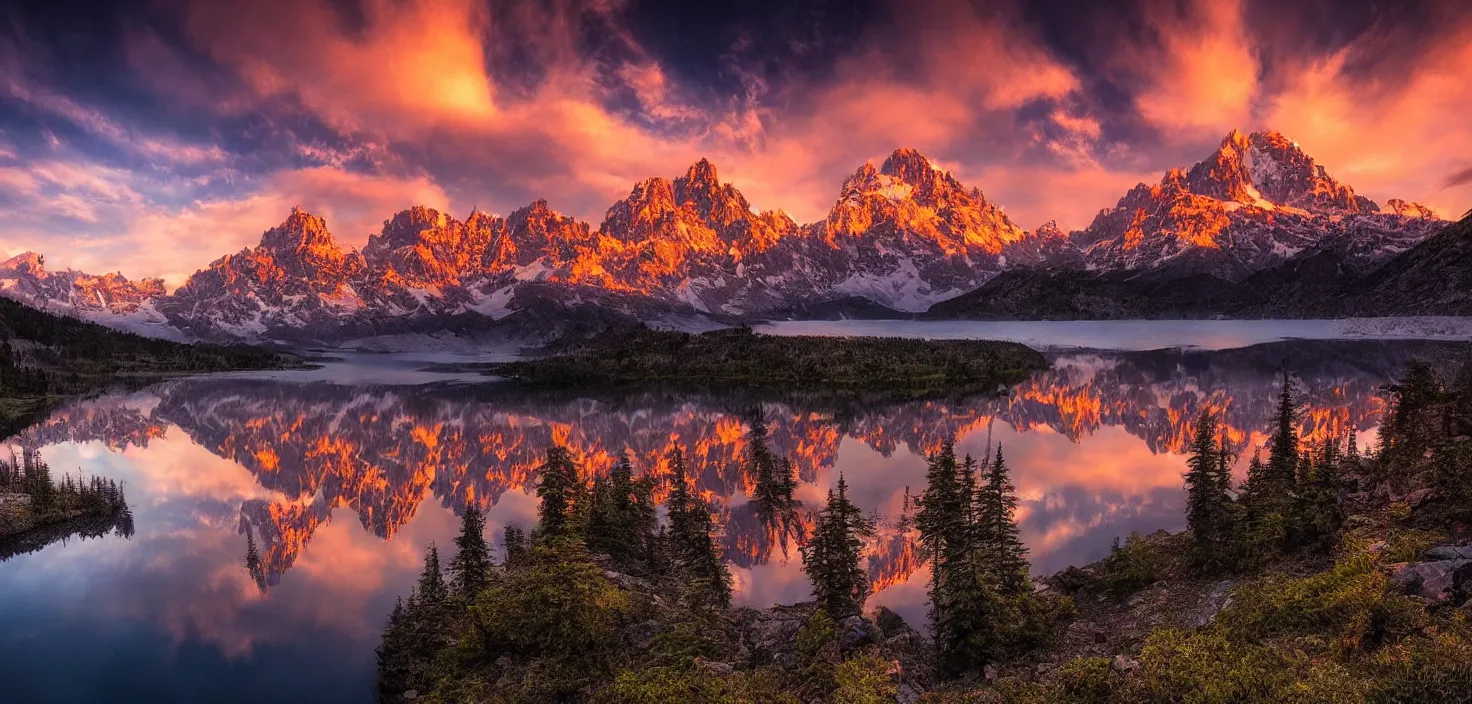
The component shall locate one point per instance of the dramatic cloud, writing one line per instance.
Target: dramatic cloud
(152, 138)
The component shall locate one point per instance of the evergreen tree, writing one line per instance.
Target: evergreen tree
(963, 605)
(1206, 496)
(1283, 447)
(392, 651)
(622, 516)
(1322, 517)
(1005, 556)
(253, 563)
(771, 476)
(692, 545)
(516, 545)
(942, 516)
(557, 491)
(1406, 431)
(470, 568)
(431, 589)
(831, 556)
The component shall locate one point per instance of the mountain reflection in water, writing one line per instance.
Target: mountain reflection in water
(1094, 444)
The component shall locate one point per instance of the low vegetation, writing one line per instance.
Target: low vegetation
(738, 357)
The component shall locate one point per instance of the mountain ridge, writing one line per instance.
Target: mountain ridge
(905, 236)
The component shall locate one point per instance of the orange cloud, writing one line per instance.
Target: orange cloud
(1202, 77)
(1390, 136)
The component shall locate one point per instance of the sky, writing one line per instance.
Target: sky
(153, 136)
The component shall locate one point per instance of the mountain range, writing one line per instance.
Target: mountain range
(1257, 218)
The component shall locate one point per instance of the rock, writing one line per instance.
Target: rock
(411, 694)
(1136, 600)
(908, 694)
(990, 672)
(1418, 497)
(1450, 552)
(856, 631)
(1376, 547)
(715, 667)
(1123, 664)
(1073, 579)
(1438, 581)
(1216, 600)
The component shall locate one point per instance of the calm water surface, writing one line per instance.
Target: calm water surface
(343, 476)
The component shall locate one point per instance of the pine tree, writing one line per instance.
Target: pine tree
(557, 491)
(1005, 555)
(431, 589)
(1405, 432)
(1283, 447)
(515, 542)
(772, 477)
(963, 604)
(253, 563)
(470, 568)
(622, 515)
(693, 547)
(392, 652)
(831, 557)
(942, 516)
(1206, 497)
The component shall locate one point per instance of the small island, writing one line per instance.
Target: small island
(739, 357)
(37, 509)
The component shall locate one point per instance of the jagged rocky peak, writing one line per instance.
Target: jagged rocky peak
(910, 166)
(301, 233)
(1408, 209)
(1268, 170)
(26, 262)
(716, 202)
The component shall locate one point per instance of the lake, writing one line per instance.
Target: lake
(342, 476)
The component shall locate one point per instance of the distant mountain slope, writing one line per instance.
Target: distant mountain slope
(1436, 276)
(1433, 278)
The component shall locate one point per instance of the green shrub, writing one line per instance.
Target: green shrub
(684, 685)
(1350, 604)
(1438, 669)
(865, 679)
(1409, 544)
(1130, 568)
(816, 634)
(1205, 668)
(1086, 681)
(558, 614)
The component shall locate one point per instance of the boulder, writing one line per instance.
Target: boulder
(715, 667)
(1440, 580)
(1450, 552)
(856, 631)
(1418, 497)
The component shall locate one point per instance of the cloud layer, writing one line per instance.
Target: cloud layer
(153, 139)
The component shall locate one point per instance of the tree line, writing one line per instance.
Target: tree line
(31, 476)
